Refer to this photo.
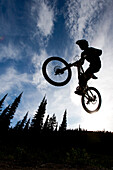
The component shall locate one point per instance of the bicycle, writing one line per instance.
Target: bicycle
(58, 73)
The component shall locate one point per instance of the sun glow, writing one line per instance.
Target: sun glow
(99, 120)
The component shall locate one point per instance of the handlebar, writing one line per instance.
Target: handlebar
(76, 64)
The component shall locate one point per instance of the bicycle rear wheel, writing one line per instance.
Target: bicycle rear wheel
(50, 69)
(91, 100)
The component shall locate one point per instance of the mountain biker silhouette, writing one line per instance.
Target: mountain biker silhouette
(92, 56)
(58, 73)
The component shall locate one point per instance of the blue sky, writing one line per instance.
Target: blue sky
(31, 31)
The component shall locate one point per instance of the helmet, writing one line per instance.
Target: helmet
(82, 43)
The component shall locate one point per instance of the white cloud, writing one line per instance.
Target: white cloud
(11, 80)
(38, 78)
(82, 17)
(43, 14)
(45, 20)
(9, 52)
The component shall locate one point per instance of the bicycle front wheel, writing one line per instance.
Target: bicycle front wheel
(50, 70)
(91, 100)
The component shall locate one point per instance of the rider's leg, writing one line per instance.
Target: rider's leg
(82, 84)
(89, 73)
(85, 77)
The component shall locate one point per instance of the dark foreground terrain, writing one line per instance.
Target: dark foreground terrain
(48, 166)
(72, 149)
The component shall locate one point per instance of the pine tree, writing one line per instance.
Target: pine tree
(4, 112)
(26, 127)
(2, 101)
(52, 123)
(56, 127)
(37, 121)
(3, 118)
(16, 127)
(12, 111)
(63, 125)
(45, 127)
(22, 123)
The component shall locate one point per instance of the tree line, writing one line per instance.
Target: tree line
(35, 125)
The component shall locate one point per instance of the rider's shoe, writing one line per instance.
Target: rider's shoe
(94, 77)
(79, 90)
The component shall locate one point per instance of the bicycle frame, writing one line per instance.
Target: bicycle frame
(80, 69)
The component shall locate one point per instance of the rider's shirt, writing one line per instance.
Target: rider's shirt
(92, 56)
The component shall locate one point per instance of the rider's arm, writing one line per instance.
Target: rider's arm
(79, 62)
(83, 57)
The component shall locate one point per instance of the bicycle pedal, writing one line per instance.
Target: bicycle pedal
(78, 92)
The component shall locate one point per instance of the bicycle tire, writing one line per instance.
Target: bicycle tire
(45, 74)
(99, 99)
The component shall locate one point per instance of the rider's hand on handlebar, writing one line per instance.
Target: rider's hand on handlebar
(77, 63)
